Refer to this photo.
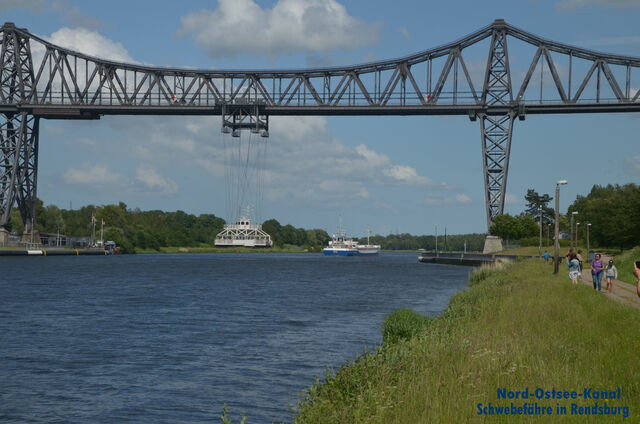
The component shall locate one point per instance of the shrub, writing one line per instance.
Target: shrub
(479, 274)
(403, 324)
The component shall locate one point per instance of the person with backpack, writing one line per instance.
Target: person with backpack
(574, 267)
(610, 273)
(596, 272)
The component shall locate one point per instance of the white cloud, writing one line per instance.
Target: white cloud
(408, 176)
(154, 182)
(405, 33)
(98, 177)
(91, 176)
(617, 4)
(304, 163)
(84, 41)
(90, 43)
(373, 158)
(512, 199)
(78, 18)
(459, 199)
(463, 198)
(242, 26)
(632, 165)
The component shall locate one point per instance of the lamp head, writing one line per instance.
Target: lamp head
(574, 213)
(561, 182)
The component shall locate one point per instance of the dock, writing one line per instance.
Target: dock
(53, 252)
(467, 259)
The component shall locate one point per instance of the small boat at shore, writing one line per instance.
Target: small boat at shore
(368, 249)
(341, 245)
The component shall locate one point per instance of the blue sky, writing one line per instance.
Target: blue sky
(176, 163)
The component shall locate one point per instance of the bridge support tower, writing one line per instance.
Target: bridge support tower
(18, 131)
(496, 130)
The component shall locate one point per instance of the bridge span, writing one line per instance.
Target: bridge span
(42, 80)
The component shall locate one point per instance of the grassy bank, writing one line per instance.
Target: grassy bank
(533, 250)
(521, 327)
(624, 264)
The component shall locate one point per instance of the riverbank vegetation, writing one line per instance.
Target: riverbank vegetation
(613, 212)
(516, 328)
(158, 231)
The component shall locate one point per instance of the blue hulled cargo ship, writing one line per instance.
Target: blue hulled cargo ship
(341, 245)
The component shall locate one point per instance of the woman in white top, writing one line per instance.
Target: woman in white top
(610, 273)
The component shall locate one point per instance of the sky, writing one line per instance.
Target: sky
(386, 174)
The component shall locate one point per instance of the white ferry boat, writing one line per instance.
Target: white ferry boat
(368, 249)
(243, 234)
(341, 245)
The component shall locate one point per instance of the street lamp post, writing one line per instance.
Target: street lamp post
(588, 226)
(572, 215)
(556, 247)
(548, 232)
(577, 234)
(540, 245)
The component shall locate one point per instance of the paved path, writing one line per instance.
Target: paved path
(622, 291)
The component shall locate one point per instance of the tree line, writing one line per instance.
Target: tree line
(133, 229)
(613, 212)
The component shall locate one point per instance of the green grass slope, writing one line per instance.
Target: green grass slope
(521, 327)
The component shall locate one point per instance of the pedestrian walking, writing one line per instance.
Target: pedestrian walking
(636, 271)
(574, 267)
(611, 274)
(546, 256)
(596, 272)
(580, 260)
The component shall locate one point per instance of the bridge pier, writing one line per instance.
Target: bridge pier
(18, 131)
(496, 130)
(18, 167)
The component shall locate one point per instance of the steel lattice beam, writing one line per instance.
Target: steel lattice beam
(496, 131)
(18, 131)
(70, 85)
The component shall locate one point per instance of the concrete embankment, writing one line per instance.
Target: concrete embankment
(468, 259)
(52, 252)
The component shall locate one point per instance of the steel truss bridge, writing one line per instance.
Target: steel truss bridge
(472, 76)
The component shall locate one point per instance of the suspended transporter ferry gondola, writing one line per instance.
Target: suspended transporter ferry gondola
(243, 234)
(245, 161)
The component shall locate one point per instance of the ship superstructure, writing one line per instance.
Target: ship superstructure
(243, 234)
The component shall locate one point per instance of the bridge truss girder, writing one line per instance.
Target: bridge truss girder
(70, 85)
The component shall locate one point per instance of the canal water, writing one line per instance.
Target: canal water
(171, 338)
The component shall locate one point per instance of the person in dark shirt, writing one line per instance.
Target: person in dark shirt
(596, 272)
(636, 271)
